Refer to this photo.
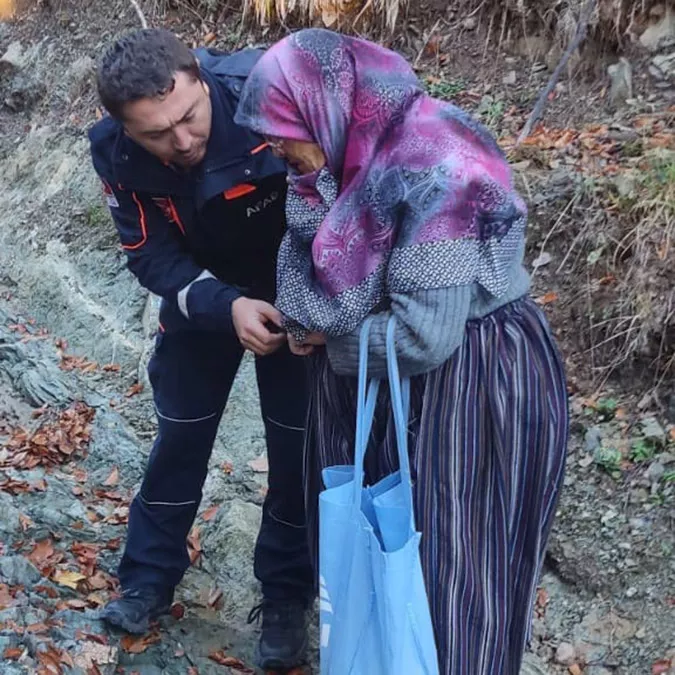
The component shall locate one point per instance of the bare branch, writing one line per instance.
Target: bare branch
(139, 11)
(539, 106)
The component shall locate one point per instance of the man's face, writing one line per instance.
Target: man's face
(175, 127)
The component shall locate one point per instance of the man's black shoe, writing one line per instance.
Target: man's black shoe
(283, 642)
(137, 607)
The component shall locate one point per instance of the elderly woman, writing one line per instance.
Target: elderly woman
(401, 204)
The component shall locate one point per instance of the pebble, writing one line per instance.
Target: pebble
(655, 471)
(18, 571)
(565, 654)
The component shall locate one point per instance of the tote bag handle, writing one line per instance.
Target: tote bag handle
(365, 411)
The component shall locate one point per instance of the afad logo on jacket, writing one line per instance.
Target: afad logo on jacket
(110, 198)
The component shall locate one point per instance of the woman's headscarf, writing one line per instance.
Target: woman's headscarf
(424, 194)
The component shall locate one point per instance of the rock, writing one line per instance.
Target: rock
(229, 544)
(113, 442)
(596, 635)
(25, 92)
(470, 23)
(663, 66)
(661, 33)
(510, 78)
(626, 184)
(12, 60)
(565, 655)
(533, 665)
(80, 75)
(9, 516)
(592, 439)
(621, 75)
(655, 472)
(597, 670)
(149, 322)
(652, 430)
(533, 46)
(18, 571)
(542, 260)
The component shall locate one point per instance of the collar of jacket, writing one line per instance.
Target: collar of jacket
(230, 154)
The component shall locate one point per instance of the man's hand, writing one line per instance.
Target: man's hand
(250, 318)
(306, 347)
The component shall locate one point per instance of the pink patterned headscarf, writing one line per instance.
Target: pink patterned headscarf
(424, 194)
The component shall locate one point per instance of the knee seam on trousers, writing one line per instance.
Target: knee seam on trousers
(145, 501)
(284, 426)
(184, 420)
(284, 522)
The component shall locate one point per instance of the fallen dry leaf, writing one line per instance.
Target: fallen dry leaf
(113, 479)
(80, 475)
(209, 38)
(227, 468)
(177, 611)
(86, 554)
(134, 389)
(14, 487)
(222, 659)
(99, 581)
(6, 600)
(69, 579)
(135, 644)
(215, 596)
(93, 637)
(547, 298)
(51, 659)
(25, 522)
(48, 591)
(574, 669)
(194, 545)
(37, 628)
(260, 464)
(12, 653)
(44, 555)
(60, 435)
(661, 667)
(210, 513)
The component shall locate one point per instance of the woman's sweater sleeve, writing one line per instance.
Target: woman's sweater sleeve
(430, 325)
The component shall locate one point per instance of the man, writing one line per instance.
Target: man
(199, 206)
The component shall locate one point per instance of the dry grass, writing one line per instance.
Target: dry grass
(613, 20)
(611, 282)
(642, 320)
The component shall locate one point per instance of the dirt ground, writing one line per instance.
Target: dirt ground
(76, 419)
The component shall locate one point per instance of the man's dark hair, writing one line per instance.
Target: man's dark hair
(142, 64)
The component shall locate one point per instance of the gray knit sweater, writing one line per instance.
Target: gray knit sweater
(430, 326)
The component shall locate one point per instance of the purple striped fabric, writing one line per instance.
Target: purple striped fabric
(488, 440)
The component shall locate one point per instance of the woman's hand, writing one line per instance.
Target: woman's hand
(306, 347)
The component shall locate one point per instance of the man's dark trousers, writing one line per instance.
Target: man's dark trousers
(191, 373)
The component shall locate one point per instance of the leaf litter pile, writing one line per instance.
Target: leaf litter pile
(67, 575)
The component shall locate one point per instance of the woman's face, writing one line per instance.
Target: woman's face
(304, 157)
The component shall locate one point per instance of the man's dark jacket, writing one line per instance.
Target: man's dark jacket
(198, 239)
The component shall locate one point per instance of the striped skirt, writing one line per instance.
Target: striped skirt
(488, 434)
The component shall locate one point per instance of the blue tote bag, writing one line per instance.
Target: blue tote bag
(375, 617)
